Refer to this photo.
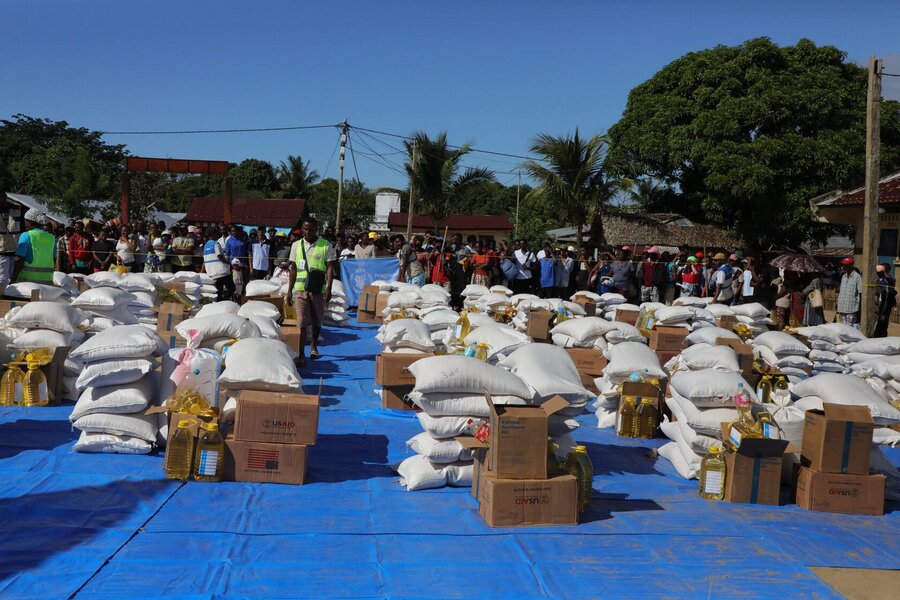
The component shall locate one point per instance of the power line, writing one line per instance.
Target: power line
(192, 131)
(471, 149)
(353, 157)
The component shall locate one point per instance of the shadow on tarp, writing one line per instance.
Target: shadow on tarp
(321, 367)
(603, 505)
(36, 527)
(348, 457)
(335, 336)
(609, 458)
(29, 434)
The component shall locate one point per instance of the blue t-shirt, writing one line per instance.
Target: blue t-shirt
(24, 248)
(235, 248)
(548, 274)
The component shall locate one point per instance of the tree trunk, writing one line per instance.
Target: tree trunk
(597, 235)
(579, 237)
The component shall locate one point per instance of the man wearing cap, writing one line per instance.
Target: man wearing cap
(850, 294)
(691, 277)
(721, 281)
(182, 250)
(36, 252)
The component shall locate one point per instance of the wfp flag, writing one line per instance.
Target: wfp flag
(357, 273)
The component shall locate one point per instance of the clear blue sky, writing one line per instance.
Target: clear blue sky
(492, 72)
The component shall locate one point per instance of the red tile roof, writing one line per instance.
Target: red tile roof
(888, 193)
(454, 222)
(274, 212)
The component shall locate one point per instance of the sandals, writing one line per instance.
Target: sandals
(314, 355)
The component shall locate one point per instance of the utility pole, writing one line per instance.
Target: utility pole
(871, 233)
(412, 196)
(518, 196)
(337, 226)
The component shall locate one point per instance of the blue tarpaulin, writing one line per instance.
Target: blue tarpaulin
(357, 273)
(107, 526)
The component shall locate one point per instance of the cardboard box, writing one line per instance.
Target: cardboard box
(753, 474)
(264, 462)
(744, 354)
(838, 439)
(539, 324)
(665, 356)
(367, 299)
(667, 338)
(8, 304)
(588, 361)
(276, 417)
(517, 439)
(170, 314)
(726, 322)
(523, 502)
(368, 317)
(392, 397)
(588, 382)
(840, 492)
(390, 368)
(589, 306)
(641, 390)
(627, 316)
(381, 304)
(290, 335)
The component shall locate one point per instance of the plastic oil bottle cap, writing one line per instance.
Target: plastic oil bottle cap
(212, 427)
(715, 449)
(185, 424)
(581, 449)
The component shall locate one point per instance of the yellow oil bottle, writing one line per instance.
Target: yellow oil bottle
(481, 352)
(712, 475)
(578, 464)
(561, 314)
(645, 420)
(626, 417)
(744, 426)
(180, 452)
(462, 327)
(34, 384)
(767, 426)
(209, 459)
(764, 389)
(781, 383)
(11, 392)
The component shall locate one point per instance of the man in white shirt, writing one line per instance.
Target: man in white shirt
(259, 255)
(524, 260)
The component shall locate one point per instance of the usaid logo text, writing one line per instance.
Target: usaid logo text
(273, 424)
(533, 500)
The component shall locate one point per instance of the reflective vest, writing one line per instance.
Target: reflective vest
(40, 269)
(316, 260)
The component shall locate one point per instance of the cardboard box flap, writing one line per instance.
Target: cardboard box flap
(763, 447)
(554, 405)
(737, 344)
(470, 443)
(846, 413)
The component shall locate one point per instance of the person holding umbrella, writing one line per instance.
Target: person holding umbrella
(850, 294)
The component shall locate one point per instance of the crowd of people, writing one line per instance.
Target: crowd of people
(233, 255)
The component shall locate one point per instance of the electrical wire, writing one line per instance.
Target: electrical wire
(201, 131)
(353, 156)
(471, 149)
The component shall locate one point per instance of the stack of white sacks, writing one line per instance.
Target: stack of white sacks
(220, 323)
(450, 392)
(785, 353)
(336, 311)
(625, 360)
(46, 325)
(754, 315)
(116, 385)
(827, 343)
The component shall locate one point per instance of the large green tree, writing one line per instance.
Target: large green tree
(438, 178)
(71, 168)
(573, 178)
(254, 178)
(748, 134)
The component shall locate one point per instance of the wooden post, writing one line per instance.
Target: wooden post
(337, 218)
(871, 233)
(228, 200)
(125, 188)
(412, 197)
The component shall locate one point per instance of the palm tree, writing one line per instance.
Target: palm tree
(295, 177)
(649, 194)
(433, 168)
(572, 177)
